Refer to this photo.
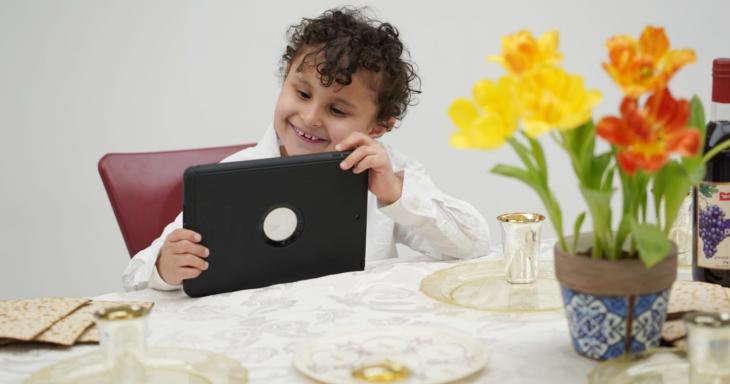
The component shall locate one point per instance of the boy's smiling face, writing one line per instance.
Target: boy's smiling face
(312, 118)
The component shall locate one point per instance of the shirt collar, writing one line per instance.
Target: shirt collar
(268, 146)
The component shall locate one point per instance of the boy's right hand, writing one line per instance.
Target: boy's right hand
(181, 257)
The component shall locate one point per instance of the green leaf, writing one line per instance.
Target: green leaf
(643, 198)
(694, 167)
(576, 231)
(523, 153)
(539, 155)
(651, 242)
(514, 172)
(599, 205)
(585, 142)
(624, 228)
(594, 169)
(659, 184)
(608, 179)
(579, 143)
(697, 116)
(676, 189)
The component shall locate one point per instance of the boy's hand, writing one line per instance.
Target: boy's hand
(181, 257)
(370, 154)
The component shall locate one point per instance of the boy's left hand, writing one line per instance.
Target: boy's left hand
(370, 154)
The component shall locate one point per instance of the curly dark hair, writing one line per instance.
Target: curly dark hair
(342, 41)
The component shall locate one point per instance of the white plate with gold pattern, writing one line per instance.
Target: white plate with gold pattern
(393, 354)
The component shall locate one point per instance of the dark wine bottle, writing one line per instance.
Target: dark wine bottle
(711, 253)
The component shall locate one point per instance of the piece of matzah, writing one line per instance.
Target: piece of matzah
(698, 296)
(27, 318)
(689, 296)
(68, 330)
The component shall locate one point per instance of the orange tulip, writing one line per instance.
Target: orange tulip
(522, 52)
(645, 65)
(646, 137)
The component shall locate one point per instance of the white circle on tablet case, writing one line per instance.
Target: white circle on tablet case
(280, 224)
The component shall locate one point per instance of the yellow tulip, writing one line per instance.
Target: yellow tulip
(552, 98)
(521, 52)
(489, 128)
(497, 97)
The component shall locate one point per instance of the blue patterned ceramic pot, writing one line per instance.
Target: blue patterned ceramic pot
(614, 307)
(598, 324)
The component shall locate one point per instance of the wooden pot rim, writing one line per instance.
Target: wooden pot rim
(624, 277)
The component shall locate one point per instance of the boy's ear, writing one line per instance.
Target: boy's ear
(382, 127)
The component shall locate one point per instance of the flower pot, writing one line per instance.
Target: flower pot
(613, 307)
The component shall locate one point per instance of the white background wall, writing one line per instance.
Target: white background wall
(79, 79)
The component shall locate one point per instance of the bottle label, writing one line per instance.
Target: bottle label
(713, 225)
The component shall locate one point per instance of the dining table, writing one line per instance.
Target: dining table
(263, 328)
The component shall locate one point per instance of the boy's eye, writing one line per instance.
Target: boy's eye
(303, 95)
(337, 111)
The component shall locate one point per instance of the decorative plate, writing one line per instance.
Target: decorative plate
(161, 365)
(657, 366)
(482, 285)
(420, 355)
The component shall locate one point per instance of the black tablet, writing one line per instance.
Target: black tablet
(275, 220)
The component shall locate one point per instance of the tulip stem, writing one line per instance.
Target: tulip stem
(714, 151)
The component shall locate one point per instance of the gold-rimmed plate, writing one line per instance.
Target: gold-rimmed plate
(403, 355)
(482, 285)
(159, 365)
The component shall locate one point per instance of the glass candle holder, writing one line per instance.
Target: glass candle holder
(521, 245)
(122, 331)
(708, 346)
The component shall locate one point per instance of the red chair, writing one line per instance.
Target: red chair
(145, 189)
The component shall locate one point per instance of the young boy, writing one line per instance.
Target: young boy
(345, 85)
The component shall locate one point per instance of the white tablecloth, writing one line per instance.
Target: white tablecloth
(262, 328)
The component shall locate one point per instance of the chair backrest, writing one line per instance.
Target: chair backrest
(145, 189)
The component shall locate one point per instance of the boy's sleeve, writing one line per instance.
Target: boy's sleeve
(141, 272)
(434, 223)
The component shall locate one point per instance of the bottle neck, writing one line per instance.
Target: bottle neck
(719, 111)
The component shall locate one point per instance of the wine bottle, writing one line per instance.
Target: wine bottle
(711, 256)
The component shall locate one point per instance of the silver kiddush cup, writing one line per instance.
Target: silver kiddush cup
(521, 245)
(122, 330)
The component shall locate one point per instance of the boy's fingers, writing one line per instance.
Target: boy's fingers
(192, 261)
(365, 164)
(189, 273)
(354, 140)
(185, 246)
(356, 156)
(183, 234)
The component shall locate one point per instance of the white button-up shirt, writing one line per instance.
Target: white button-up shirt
(424, 219)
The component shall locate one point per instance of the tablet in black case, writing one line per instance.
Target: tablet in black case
(275, 220)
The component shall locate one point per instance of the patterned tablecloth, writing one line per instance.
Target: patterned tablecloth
(262, 328)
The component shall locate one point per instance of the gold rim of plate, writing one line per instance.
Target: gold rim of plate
(464, 285)
(161, 364)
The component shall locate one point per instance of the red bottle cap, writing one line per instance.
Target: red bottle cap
(721, 80)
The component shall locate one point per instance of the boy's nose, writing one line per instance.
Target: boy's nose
(313, 117)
